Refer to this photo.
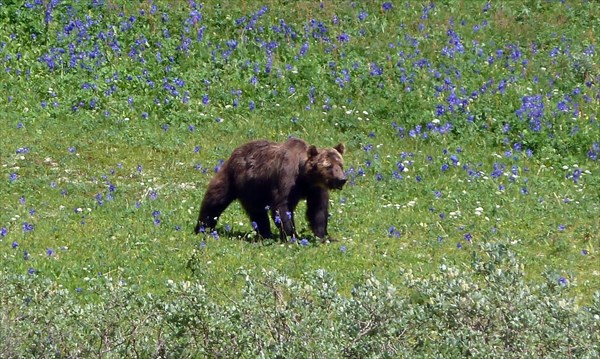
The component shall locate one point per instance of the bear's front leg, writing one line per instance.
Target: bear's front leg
(317, 211)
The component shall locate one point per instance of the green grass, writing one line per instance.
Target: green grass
(119, 239)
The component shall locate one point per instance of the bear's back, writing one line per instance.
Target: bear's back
(261, 163)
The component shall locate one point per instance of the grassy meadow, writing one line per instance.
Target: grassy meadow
(473, 145)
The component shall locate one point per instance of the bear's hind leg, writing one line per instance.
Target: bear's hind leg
(217, 198)
(283, 217)
(260, 218)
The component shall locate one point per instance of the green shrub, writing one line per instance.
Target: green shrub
(485, 310)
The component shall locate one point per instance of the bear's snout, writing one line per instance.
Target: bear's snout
(339, 183)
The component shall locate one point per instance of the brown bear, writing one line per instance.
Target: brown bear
(273, 177)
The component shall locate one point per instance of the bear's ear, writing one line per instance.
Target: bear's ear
(340, 148)
(312, 151)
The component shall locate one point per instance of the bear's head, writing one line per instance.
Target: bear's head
(325, 167)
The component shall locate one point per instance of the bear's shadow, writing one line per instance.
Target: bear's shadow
(255, 238)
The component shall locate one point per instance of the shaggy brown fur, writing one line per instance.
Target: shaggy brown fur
(273, 177)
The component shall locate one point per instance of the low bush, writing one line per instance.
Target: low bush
(487, 309)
